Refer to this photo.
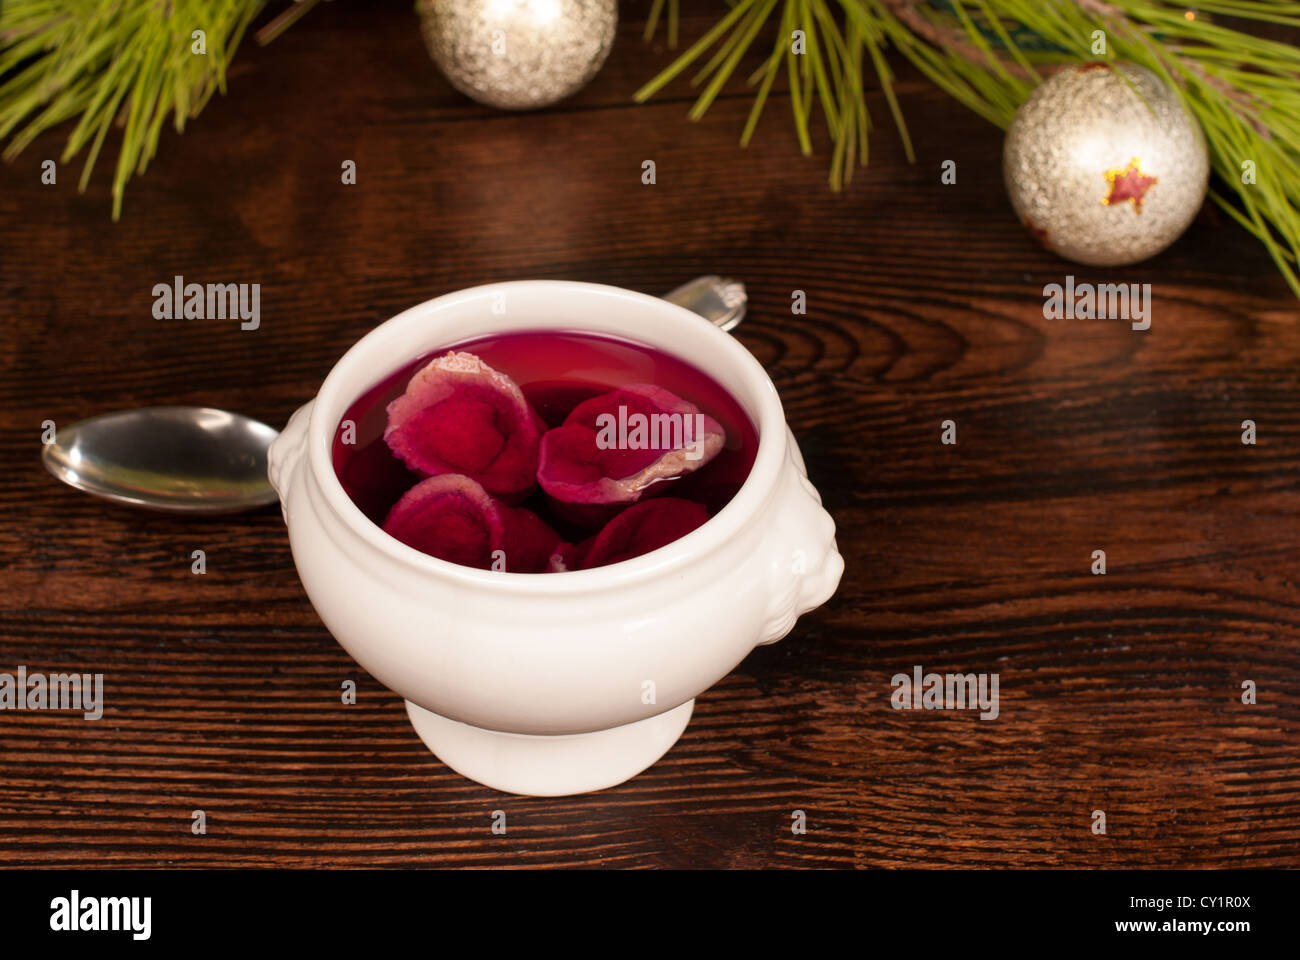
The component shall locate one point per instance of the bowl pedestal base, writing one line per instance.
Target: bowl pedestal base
(543, 766)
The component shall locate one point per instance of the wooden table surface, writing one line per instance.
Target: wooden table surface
(1119, 693)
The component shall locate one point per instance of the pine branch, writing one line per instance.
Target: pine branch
(129, 64)
(989, 55)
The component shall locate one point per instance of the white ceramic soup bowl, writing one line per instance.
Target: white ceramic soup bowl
(550, 684)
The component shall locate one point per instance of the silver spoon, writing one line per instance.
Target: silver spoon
(203, 460)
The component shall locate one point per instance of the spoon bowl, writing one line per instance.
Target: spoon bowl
(178, 459)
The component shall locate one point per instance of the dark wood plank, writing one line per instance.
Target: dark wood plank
(1118, 693)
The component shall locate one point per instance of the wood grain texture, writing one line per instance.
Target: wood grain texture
(1119, 692)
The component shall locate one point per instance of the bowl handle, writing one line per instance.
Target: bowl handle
(804, 564)
(287, 449)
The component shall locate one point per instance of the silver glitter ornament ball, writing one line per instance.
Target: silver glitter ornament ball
(1101, 172)
(518, 54)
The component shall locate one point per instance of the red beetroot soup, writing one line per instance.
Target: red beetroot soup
(556, 371)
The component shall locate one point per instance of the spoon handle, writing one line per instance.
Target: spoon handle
(718, 300)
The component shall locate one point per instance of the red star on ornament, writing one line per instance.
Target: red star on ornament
(1037, 232)
(1128, 184)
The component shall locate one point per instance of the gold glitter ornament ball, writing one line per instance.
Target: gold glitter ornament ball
(518, 54)
(1103, 173)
